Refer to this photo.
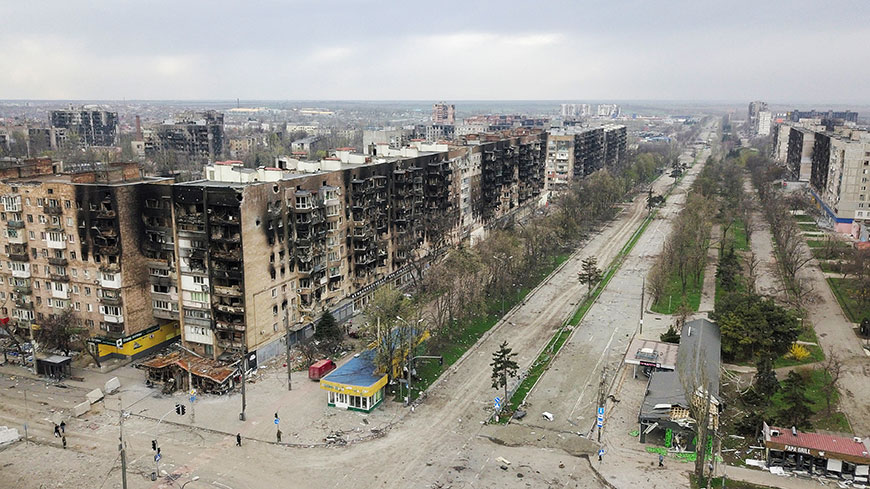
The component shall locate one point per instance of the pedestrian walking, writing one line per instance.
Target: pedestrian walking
(64, 442)
(56, 431)
(661, 460)
(279, 436)
(238, 439)
(63, 427)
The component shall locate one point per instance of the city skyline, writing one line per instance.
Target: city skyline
(359, 51)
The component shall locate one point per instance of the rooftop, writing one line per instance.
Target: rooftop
(358, 371)
(822, 442)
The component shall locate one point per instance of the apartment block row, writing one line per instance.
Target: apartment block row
(574, 152)
(837, 166)
(232, 261)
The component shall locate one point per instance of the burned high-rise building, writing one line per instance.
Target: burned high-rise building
(92, 127)
(196, 135)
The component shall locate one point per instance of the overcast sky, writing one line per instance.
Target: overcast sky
(781, 51)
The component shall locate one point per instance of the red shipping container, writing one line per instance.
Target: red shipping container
(320, 368)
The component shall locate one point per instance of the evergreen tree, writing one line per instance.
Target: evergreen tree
(765, 379)
(503, 367)
(797, 410)
(328, 332)
(589, 274)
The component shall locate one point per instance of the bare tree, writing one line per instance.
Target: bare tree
(833, 367)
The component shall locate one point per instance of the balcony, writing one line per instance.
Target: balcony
(227, 344)
(229, 309)
(58, 278)
(58, 262)
(233, 291)
(19, 256)
(54, 210)
(60, 294)
(113, 283)
(25, 305)
(110, 267)
(112, 318)
(15, 224)
(106, 214)
(22, 289)
(226, 238)
(195, 218)
(227, 255)
(54, 244)
(111, 300)
(17, 238)
(222, 219)
(230, 325)
(164, 314)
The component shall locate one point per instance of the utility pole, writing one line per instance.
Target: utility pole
(244, 367)
(26, 416)
(642, 294)
(602, 393)
(287, 339)
(192, 395)
(121, 446)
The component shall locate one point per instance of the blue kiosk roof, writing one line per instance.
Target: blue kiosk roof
(358, 371)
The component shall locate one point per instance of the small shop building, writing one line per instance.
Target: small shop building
(54, 366)
(810, 454)
(177, 369)
(648, 356)
(356, 385)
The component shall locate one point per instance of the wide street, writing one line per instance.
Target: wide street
(441, 444)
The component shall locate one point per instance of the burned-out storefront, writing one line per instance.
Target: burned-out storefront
(817, 453)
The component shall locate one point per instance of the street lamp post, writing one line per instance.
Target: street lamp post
(408, 364)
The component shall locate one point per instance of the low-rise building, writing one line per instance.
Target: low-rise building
(811, 454)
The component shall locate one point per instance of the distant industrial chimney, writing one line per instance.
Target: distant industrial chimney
(138, 129)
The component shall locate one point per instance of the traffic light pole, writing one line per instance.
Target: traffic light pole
(244, 367)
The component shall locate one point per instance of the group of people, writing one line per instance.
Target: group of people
(60, 432)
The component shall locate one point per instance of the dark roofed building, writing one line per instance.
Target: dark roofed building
(670, 394)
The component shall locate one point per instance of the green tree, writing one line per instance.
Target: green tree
(670, 336)
(728, 271)
(751, 324)
(589, 274)
(796, 411)
(503, 367)
(327, 332)
(765, 379)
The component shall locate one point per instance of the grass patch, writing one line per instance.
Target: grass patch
(831, 266)
(805, 226)
(472, 330)
(739, 235)
(803, 218)
(673, 296)
(843, 291)
(821, 243)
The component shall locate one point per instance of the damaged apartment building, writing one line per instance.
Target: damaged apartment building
(64, 237)
(231, 262)
(260, 252)
(574, 152)
(198, 136)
